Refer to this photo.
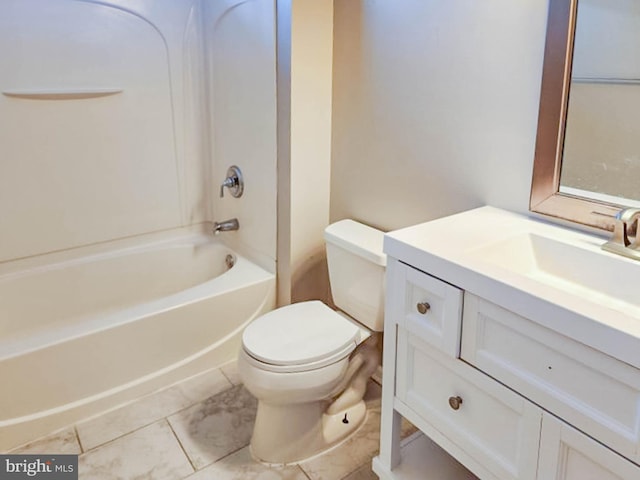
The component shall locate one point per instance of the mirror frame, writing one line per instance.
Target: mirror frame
(554, 98)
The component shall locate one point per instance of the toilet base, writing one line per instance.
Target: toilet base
(285, 434)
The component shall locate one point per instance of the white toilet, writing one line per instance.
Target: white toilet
(301, 361)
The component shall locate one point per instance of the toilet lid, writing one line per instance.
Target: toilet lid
(301, 333)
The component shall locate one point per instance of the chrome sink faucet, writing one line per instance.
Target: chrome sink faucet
(225, 226)
(625, 240)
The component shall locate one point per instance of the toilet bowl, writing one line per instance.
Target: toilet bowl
(307, 364)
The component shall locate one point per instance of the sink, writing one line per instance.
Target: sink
(556, 276)
(581, 270)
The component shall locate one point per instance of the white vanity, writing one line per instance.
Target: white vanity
(514, 345)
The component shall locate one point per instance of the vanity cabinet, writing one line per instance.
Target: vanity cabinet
(504, 396)
(594, 392)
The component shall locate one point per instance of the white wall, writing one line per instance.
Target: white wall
(305, 91)
(435, 107)
(311, 90)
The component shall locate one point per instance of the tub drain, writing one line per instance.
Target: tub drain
(230, 261)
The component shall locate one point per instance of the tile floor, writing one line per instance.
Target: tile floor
(199, 430)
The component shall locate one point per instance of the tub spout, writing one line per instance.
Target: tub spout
(225, 226)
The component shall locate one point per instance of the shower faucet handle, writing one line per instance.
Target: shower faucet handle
(234, 182)
(229, 183)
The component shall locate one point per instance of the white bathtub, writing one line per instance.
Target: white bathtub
(82, 335)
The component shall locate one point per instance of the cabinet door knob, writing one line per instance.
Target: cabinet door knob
(423, 307)
(455, 402)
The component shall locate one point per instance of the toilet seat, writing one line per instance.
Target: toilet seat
(299, 337)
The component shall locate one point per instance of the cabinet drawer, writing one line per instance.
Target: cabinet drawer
(567, 454)
(590, 390)
(496, 427)
(425, 306)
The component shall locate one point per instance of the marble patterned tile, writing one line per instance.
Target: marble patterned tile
(205, 385)
(240, 466)
(149, 409)
(152, 453)
(350, 455)
(230, 370)
(363, 473)
(63, 442)
(216, 427)
(425, 459)
(358, 450)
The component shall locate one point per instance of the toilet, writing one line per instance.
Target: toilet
(307, 364)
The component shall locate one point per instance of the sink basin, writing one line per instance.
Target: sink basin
(581, 270)
(558, 277)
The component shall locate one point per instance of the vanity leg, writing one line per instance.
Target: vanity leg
(390, 420)
(390, 438)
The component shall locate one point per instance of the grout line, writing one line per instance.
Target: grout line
(225, 456)
(172, 414)
(55, 433)
(128, 404)
(359, 467)
(303, 472)
(119, 437)
(227, 376)
(166, 419)
(75, 429)
(158, 420)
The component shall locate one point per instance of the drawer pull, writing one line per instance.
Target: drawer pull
(455, 402)
(423, 307)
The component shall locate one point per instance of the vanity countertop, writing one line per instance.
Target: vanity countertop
(555, 276)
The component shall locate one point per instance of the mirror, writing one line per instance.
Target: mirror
(587, 163)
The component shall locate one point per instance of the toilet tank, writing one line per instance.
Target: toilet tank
(356, 271)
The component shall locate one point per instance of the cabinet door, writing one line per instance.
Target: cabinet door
(567, 454)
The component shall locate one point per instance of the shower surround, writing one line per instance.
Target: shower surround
(118, 120)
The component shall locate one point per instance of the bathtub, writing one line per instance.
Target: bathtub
(83, 334)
